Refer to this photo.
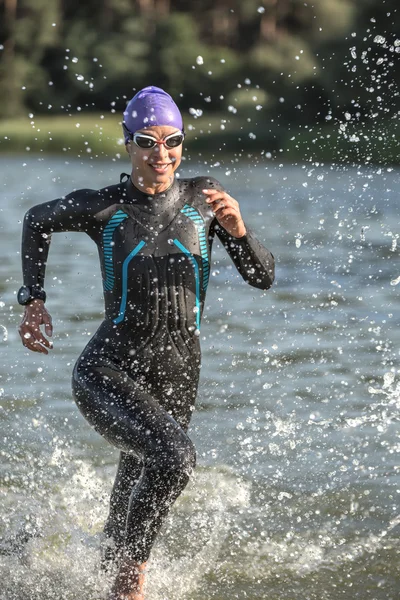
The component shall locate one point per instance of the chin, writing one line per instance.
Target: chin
(163, 177)
(164, 181)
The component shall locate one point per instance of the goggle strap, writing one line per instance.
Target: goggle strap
(128, 133)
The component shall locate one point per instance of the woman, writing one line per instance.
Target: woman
(136, 380)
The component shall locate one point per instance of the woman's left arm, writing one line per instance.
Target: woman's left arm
(254, 262)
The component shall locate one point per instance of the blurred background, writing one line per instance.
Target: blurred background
(293, 106)
(284, 76)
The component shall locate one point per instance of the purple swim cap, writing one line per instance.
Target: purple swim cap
(150, 106)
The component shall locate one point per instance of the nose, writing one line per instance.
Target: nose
(161, 149)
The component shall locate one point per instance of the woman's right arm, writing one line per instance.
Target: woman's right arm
(65, 214)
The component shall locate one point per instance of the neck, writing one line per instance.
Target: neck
(152, 188)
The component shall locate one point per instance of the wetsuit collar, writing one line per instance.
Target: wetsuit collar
(162, 206)
(133, 194)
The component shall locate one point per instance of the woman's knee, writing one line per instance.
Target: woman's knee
(176, 461)
(82, 380)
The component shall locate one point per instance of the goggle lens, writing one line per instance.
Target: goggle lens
(174, 141)
(143, 141)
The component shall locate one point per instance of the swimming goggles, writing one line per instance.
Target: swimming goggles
(173, 140)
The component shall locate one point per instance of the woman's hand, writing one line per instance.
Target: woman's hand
(32, 338)
(227, 212)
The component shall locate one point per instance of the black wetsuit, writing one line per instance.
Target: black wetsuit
(136, 380)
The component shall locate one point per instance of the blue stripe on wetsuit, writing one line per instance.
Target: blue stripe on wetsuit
(126, 262)
(108, 234)
(197, 277)
(198, 220)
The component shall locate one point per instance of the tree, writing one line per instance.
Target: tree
(29, 28)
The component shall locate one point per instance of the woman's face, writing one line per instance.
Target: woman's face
(153, 168)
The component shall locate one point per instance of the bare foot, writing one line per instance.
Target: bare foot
(129, 583)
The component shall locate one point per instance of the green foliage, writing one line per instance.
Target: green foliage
(305, 62)
(365, 144)
(76, 134)
(248, 98)
(289, 55)
(183, 64)
(334, 17)
(109, 61)
(362, 72)
(27, 34)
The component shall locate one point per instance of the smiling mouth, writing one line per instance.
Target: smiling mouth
(160, 168)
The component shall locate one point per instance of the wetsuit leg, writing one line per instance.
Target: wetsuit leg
(128, 473)
(132, 419)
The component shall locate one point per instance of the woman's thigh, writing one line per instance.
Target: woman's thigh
(172, 380)
(124, 412)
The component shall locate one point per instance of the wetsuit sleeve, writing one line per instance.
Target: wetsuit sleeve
(254, 262)
(64, 214)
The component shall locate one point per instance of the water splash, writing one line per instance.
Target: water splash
(206, 515)
(61, 559)
(4, 333)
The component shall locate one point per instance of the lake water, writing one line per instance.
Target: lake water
(296, 493)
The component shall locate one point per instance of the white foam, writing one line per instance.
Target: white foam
(208, 502)
(64, 560)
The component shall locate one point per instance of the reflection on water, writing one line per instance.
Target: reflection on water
(296, 493)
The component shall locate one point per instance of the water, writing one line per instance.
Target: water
(296, 494)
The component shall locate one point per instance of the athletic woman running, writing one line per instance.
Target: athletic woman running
(136, 380)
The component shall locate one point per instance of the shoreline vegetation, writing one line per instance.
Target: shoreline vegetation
(100, 136)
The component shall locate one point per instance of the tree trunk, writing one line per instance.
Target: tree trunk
(163, 7)
(268, 22)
